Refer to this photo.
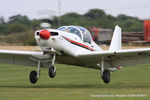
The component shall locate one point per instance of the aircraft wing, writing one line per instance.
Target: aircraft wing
(26, 58)
(111, 58)
(118, 58)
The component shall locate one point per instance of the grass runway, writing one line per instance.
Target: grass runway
(74, 83)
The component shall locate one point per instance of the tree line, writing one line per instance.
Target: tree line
(21, 24)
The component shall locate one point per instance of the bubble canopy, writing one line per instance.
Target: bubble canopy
(83, 33)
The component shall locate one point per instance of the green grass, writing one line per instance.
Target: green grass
(73, 83)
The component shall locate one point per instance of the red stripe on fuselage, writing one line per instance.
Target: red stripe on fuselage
(79, 44)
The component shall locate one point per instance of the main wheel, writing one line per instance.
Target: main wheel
(106, 76)
(52, 71)
(33, 77)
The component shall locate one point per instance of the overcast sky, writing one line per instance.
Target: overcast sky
(38, 8)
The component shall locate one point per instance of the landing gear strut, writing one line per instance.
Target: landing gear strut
(105, 74)
(34, 75)
(52, 69)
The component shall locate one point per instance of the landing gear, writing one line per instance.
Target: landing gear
(52, 69)
(105, 74)
(34, 75)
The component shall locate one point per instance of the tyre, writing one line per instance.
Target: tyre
(52, 72)
(33, 77)
(106, 76)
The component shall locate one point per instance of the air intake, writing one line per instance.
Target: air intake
(54, 33)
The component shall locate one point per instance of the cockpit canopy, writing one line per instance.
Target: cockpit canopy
(83, 33)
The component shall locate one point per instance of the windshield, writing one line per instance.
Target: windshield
(63, 28)
(79, 31)
(74, 31)
(71, 29)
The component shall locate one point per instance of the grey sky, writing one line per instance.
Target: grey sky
(36, 8)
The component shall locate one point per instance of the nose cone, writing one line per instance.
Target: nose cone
(45, 34)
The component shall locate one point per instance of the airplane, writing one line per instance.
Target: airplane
(73, 45)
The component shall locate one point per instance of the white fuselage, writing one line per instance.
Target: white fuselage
(65, 42)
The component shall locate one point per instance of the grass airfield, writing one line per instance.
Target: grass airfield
(74, 83)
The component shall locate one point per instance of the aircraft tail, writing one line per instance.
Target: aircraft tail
(116, 42)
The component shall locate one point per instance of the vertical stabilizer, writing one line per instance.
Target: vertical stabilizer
(116, 41)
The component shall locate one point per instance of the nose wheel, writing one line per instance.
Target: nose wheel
(52, 71)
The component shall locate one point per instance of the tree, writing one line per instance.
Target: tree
(17, 27)
(4, 29)
(93, 13)
(19, 19)
(72, 19)
(35, 24)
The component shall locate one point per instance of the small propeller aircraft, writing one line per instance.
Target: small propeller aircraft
(73, 45)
